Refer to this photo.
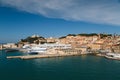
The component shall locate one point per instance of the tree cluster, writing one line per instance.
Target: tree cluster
(32, 39)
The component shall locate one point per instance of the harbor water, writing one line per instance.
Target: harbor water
(84, 67)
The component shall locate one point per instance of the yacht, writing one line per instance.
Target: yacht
(113, 56)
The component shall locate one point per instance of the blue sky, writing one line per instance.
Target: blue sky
(22, 18)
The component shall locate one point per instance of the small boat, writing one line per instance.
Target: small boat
(115, 56)
(11, 50)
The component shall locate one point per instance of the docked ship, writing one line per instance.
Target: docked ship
(42, 48)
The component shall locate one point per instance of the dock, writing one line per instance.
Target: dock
(40, 56)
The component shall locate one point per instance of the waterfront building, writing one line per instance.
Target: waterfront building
(77, 41)
(51, 40)
(10, 45)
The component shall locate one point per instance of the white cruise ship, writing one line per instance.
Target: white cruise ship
(42, 48)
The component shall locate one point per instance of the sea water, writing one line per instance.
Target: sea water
(59, 68)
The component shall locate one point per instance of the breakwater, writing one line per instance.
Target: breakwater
(41, 56)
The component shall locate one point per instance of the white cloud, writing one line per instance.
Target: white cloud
(95, 11)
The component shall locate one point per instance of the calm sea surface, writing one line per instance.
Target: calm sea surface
(62, 68)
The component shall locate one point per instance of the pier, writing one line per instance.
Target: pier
(41, 56)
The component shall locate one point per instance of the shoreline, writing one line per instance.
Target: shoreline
(26, 57)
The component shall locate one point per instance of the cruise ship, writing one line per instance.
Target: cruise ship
(42, 48)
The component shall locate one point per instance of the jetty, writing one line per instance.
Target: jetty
(41, 56)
